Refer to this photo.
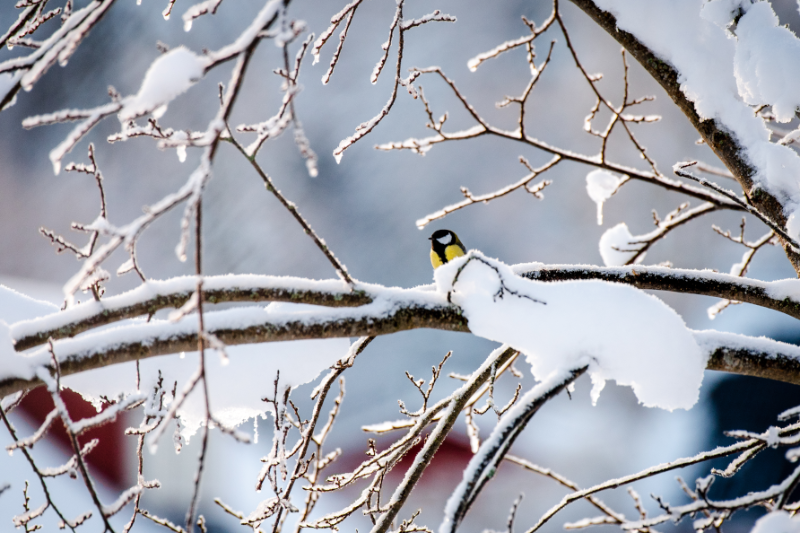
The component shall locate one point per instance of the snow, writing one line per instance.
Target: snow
(436, 16)
(199, 10)
(7, 82)
(169, 76)
(616, 245)
(250, 34)
(622, 333)
(767, 62)
(722, 12)
(60, 41)
(150, 289)
(601, 185)
(14, 307)
(236, 386)
(710, 340)
(721, 73)
(422, 146)
(773, 437)
(777, 522)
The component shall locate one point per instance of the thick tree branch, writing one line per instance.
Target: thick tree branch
(156, 295)
(716, 136)
(140, 341)
(738, 354)
(153, 296)
(706, 283)
(728, 352)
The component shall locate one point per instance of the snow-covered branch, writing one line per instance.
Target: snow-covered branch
(723, 139)
(783, 295)
(483, 465)
(368, 310)
(154, 295)
(392, 311)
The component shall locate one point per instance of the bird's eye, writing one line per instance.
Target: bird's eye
(447, 239)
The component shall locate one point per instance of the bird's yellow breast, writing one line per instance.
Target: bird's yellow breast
(450, 252)
(453, 251)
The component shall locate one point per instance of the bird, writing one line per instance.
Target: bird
(445, 246)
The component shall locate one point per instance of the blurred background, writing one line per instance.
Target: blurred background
(365, 208)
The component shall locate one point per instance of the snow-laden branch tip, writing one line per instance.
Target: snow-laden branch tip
(476, 61)
(169, 76)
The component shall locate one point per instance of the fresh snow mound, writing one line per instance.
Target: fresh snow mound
(169, 76)
(622, 333)
(601, 185)
(616, 246)
(777, 522)
(767, 62)
(722, 12)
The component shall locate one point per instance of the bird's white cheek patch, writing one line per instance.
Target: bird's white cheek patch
(447, 239)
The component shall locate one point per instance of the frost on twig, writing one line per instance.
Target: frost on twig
(24, 71)
(715, 511)
(680, 170)
(485, 462)
(740, 269)
(198, 10)
(397, 23)
(469, 198)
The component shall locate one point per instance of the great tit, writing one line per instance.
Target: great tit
(445, 246)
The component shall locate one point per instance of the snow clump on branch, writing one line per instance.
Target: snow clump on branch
(601, 185)
(169, 76)
(619, 332)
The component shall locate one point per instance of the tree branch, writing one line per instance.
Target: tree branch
(156, 295)
(736, 354)
(140, 341)
(153, 296)
(726, 147)
(706, 283)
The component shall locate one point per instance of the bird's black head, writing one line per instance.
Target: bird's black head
(443, 237)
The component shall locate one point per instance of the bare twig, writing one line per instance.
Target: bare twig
(679, 169)
(341, 270)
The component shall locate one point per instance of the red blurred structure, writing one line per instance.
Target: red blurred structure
(106, 460)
